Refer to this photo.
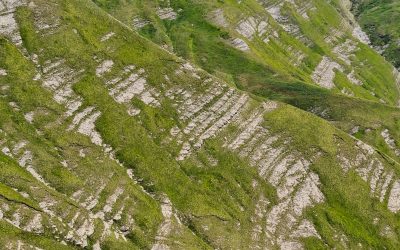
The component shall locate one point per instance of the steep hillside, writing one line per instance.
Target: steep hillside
(285, 52)
(109, 141)
(310, 41)
(380, 19)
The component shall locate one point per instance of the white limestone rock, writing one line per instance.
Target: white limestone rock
(285, 22)
(390, 141)
(347, 92)
(104, 67)
(185, 151)
(107, 36)
(139, 23)
(136, 87)
(78, 117)
(346, 50)
(275, 12)
(217, 17)
(84, 231)
(9, 28)
(223, 121)
(360, 35)
(394, 198)
(112, 200)
(290, 245)
(59, 79)
(353, 78)
(240, 44)
(308, 194)
(396, 75)
(251, 127)
(388, 178)
(88, 128)
(29, 116)
(306, 229)
(247, 27)
(130, 83)
(375, 176)
(35, 225)
(324, 73)
(167, 225)
(167, 14)
(3, 72)
(6, 151)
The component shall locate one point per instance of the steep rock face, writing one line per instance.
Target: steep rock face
(126, 146)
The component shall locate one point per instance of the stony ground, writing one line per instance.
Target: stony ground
(109, 141)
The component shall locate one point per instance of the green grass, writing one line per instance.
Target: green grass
(193, 37)
(11, 235)
(192, 192)
(380, 19)
(348, 208)
(267, 71)
(220, 196)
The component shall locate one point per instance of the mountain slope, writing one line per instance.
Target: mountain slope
(285, 45)
(108, 141)
(280, 40)
(380, 19)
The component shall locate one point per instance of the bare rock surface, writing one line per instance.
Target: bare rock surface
(390, 141)
(396, 75)
(217, 17)
(170, 219)
(59, 78)
(240, 44)
(394, 198)
(107, 36)
(275, 11)
(251, 27)
(384, 185)
(324, 73)
(25, 159)
(139, 23)
(104, 67)
(128, 84)
(167, 14)
(49, 218)
(3, 72)
(354, 79)
(346, 50)
(297, 186)
(8, 25)
(360, 35)
(205, 108)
